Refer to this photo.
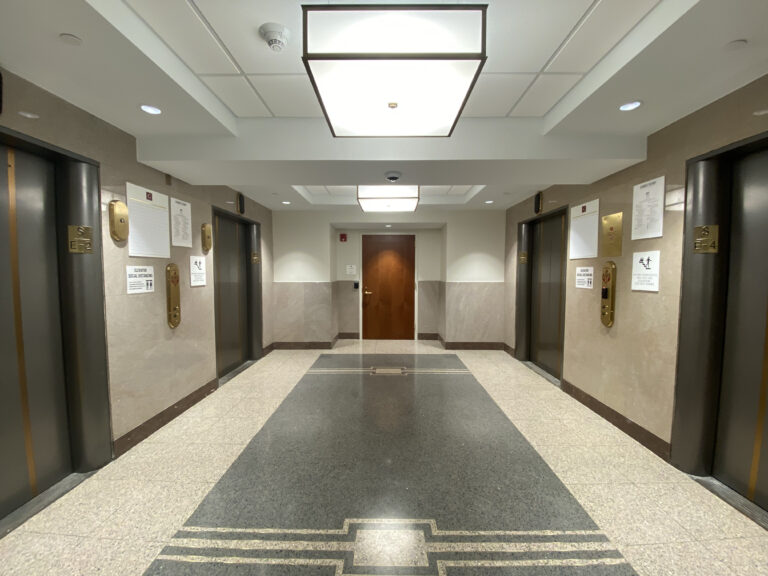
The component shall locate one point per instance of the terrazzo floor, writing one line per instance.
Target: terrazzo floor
(656, 519)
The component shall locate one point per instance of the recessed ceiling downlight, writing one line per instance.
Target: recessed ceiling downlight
(286, 202)
(763, 112)
(29, 115)
(629, 106)
(489, 201)
(153, 110)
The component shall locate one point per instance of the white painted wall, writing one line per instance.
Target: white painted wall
(472, 251)
(302, 247)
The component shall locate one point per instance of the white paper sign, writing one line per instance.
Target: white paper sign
(181, 223)
(585, 277)
(645, 271)
(584, 227)
(648, 209)
(351, 269)
(141, 279)
(148, 211)
(197, 271)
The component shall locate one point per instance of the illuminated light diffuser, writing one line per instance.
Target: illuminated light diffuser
(393, 71)
(388, 198)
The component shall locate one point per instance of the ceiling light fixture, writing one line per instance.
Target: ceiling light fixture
(387, 225)
(388, 198)
(489, 201)
(29, 115)
(70, 39)
(153, 110)
(393, 71)
(286, 202)
(629, 106)
(763, 112)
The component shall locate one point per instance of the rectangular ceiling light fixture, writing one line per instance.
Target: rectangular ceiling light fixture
(388, 198)
(393, 70)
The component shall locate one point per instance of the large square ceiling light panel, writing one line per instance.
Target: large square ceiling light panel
(393, 71)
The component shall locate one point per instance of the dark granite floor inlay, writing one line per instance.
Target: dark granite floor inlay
(389, 465)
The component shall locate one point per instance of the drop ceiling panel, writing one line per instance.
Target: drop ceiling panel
(434, 190)
(342, 190)
(288, 96)
(606, 25)
(545, 93)
(495, 94)
(238, 95)
(237, 24)
(524, 34)
(316, 190)
(178, 25)
(459, 190)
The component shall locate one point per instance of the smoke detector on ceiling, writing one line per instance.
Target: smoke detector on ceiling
(276, 35)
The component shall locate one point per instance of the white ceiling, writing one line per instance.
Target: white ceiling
(543, 112)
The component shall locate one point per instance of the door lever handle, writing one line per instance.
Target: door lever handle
(367, 292)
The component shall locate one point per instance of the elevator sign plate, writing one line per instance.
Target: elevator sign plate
(706, 239)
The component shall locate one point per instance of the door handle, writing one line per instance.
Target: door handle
(367, 292)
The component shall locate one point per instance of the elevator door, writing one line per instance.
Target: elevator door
(741, 449)
(547, 291)
(389, 276)
(237, 273)
(34, 436)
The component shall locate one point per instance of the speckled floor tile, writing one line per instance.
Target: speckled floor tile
(748, 556)
(31, 554)
(676, 559)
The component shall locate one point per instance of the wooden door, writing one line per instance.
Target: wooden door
(389, 284)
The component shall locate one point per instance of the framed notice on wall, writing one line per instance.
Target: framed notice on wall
(150, 235)
(584, 228)
(648, 209)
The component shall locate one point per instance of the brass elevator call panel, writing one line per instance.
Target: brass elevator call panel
(608, 294)
(173, 298)
(118, 221)
(207, 237)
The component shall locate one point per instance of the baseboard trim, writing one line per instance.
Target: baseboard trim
(143, 431)
(348, 336)
(428, 336)
(648, 439)
(509, 350)
(267, 349)
(302, 345)
(473, 345)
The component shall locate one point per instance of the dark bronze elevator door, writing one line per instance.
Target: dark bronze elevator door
(547, 290)
(34, 436)
(230, 256)
(389, 275)
(741, 450)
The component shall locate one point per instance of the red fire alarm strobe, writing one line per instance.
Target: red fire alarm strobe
(342, 237)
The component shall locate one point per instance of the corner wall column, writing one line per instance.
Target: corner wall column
(523, 292)
(702, 320)
(82, 314)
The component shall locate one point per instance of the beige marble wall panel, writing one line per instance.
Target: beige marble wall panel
(474, 311)
(631, 366)
(441, 302)
(317, 320)
(429, 306)
(289, 312)
(151, 366)
(349, 306)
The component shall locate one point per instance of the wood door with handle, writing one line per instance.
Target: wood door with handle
(389, 284)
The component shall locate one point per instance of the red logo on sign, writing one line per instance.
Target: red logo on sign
(342, 237)
(149, 196)
(584, 208)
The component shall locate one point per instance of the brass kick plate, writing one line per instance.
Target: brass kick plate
(611, 232)
(80, 239)
(118, 221)
(173, 297)
(706, 239)
(207, 237)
